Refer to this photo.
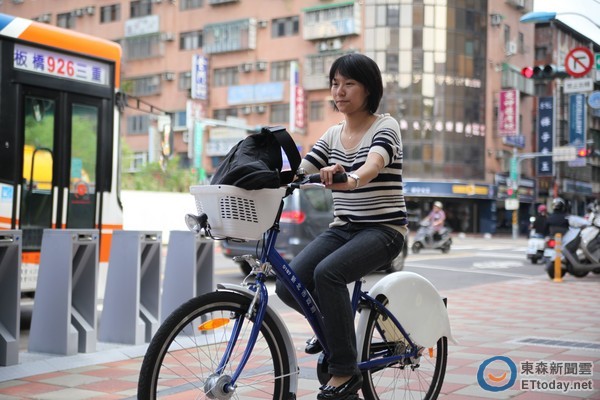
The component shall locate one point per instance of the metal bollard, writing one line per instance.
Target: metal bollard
(557, 258)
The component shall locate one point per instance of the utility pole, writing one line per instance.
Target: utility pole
(562, 153)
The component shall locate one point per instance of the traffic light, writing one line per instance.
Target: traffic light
(583, 152)
(546, 72)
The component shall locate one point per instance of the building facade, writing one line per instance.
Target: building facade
(224, 67)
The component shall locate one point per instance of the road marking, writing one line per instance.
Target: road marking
(483, 272)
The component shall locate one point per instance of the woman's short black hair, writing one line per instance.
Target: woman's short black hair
(364, 70)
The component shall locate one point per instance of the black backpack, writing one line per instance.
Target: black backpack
(256, 161)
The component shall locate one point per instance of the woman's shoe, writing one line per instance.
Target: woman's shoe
(346, 391)
(313, 346)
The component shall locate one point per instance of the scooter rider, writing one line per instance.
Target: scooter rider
(540, 224)
(557, 221)
(436, 219)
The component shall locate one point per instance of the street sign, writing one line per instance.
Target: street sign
(511, 204)
(579, 62)
(564, 153)
(578, 85)
(597, 56)
(594, 100)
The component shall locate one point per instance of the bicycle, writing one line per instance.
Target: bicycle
(231, 344)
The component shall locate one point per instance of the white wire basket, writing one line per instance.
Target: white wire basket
(238, 213)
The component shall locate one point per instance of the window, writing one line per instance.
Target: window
(281, 27)
(179, 120)
(280, 113)
(110, 13)
(280, 71)
(222, 114)
(506, 38)
(226, 76)
(388, 15)
(185, 80)
(137, 162)
(140, 8)
(190, 40)
(138, 124)
(145, 86)
(142, 47)
(316, 110)
(65, 20)
(190, 4)
(521, 43)
(229, 36)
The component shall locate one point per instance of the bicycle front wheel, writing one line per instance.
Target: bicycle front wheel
(194, 353)
(419, 377)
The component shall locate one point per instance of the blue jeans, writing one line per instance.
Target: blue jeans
(337, 257)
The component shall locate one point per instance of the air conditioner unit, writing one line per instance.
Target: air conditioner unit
(45, 18)
(260, 109)
(322, 46)
(499, 153)
(246, 67)
(261, 65)
(246, 110)
(169, 76)
(262, 23)
(496, 19)
(77, 12)
(185, 137)
(167, 36)
(90, 10)
(511, 48)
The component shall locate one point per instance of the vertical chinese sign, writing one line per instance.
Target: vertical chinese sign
(195, 110)
(545, 132)
(577, 125)
(508, 113)
(297, 106)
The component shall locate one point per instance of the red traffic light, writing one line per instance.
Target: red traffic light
(509, 191)
(583, 152)
(527, 72)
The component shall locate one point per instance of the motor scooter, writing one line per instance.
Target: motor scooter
(535, 246)
(580, 248)
(427, 238)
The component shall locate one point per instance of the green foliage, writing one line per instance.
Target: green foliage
(153, 178)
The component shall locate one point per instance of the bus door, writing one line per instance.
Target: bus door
(60, 150)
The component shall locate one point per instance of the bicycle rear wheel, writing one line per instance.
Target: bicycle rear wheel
(416, 378)
(183, 357)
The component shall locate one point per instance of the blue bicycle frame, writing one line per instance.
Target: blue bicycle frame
(310, 309)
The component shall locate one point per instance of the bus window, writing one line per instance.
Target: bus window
(36, 198)
(82, 191)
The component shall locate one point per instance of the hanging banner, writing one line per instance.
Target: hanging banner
(545, 135)
(199, 77)
(577, 125)
(508, 113)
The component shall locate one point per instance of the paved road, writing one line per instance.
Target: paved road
(500, 305)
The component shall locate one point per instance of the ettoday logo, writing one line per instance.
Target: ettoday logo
(497, 382)
(500, 373)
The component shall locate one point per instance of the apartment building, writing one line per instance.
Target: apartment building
(223, 67)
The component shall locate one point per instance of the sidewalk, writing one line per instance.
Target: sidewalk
(535, 320)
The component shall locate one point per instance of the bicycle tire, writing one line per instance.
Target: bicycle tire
(413, 379)
(179, 360)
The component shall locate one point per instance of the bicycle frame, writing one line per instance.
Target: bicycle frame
(282, 270)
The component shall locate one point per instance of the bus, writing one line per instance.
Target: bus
(59, 136)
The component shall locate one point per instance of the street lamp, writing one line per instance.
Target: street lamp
(547, 16)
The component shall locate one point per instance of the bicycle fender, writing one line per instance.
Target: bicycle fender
(417, 305)
(287, 337)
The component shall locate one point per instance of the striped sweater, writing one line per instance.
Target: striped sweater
(382, 199)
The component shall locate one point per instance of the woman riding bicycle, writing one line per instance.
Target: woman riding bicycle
(370, 220)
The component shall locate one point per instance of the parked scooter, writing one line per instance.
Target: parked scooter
(535, 246)
(427, 238)
(580, 247)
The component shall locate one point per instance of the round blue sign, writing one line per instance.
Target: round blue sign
(594, 99)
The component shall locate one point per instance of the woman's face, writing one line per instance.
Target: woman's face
(349, 95)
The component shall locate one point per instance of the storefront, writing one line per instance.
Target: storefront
(469, 208)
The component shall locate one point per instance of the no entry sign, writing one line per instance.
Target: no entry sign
(579, 62)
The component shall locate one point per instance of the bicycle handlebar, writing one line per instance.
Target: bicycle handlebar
(338, 177)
